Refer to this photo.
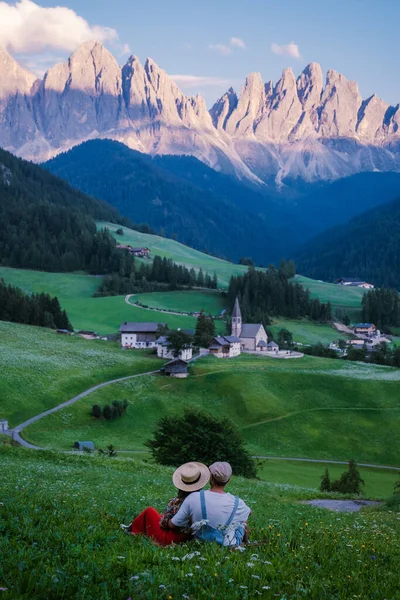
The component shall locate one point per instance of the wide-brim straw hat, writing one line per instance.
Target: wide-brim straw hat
(191, 477)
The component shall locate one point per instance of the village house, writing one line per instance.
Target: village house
(367, 329)
(139, 335)
(176, 368)
(355, 283)
(252, 335)
(141, 252)
(3, 425)
(164, 349)
(225, 347)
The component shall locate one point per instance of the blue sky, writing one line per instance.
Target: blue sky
(358, 38)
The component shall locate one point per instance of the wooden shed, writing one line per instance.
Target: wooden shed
(176, 368)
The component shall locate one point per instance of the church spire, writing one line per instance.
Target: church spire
(236, 319)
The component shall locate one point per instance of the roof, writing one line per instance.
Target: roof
(351, 280)
(232, 339)
(223, 341)
(250, 330)
(177, 365)
(140, 327)
(236, 309)
(271, 344)
(139, 249)
(364, 325)
(162, 340)
(262, 344)
(175, 361)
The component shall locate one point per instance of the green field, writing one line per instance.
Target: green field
(178, 252)
(103, 315)
(60, 519)
(340, 296)
(309, 407)
(307, 332)
(40, 368)
(186, 301)
(378, 482)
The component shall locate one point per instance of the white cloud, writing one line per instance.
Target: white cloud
(126, 49)
(238, 42)
(221, 48)
(193, 81)
(291, 49)
(27, 27)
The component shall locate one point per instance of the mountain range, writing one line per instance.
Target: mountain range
(298, 129)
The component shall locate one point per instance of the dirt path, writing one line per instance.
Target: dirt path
(330, 462)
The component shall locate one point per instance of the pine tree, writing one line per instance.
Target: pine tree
(325, 482)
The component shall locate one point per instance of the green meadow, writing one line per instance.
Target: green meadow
(60, 521)
(178, 252)
(41, 369)
(308, 407)
(186, 301)
(307, 332)
(105, 315)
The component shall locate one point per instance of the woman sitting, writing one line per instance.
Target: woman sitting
(188, 478)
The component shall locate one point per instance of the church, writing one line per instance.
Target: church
(252, 335)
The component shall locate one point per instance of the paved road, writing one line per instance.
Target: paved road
(15, 433)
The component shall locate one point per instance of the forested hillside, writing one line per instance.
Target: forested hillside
(45, 224)
(368, 248)
(183, 198)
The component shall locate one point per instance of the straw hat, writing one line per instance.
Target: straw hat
(191, 477)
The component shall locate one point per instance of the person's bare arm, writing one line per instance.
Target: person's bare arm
(171, 525)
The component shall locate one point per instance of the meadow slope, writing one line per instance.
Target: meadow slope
(60, 517)
(309, 407)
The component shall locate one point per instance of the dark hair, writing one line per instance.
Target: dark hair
(183, 494)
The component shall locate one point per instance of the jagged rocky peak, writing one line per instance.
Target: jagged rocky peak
(340, 103)
(371, 118)
(223, 108)
(250, 108)
(13, 77)
(310, 85)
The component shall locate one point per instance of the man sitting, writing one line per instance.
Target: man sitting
(214, 514)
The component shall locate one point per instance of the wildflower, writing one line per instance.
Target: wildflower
(373, 557)
(256, 576)
(185, 596)
(230, 580)
(189, 575)
(121, 557)
(250, 564)
(134, 578)
(175, 558)
(191, 555)
(162, 587)
(243, 587)
(265, 587)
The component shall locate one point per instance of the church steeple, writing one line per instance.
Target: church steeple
(236, 319)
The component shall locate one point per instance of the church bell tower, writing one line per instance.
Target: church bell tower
(236, 319)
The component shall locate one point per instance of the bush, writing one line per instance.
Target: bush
(96, 411)
(200, 437)
(107, 412)
(350, 482)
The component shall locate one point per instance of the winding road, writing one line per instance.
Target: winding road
(15, 432)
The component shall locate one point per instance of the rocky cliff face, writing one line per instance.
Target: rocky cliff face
(297, 128)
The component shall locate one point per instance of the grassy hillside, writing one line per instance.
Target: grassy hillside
(307, 407)
(40, 369)
(75, 548)
(307, 332)
(178, 252)
(193, 301)
(103, 315)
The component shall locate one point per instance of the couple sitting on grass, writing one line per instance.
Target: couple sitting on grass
(208, 515)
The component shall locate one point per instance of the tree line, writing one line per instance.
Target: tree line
(31, 309)
(264, 294)
(381, 306)
(383, 354)
(159, 275)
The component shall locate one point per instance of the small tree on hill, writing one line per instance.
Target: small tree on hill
(107, 412)
(325, 482)
(285, 339)
(350, 482)
(96, 411)
(205, 330)
(196, 436)
(179, 340)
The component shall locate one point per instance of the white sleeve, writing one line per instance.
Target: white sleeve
(243, 511)
(182, 517)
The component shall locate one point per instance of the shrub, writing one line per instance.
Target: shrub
(96, 411)
(197, 436)
(119, 231)
(107, 412)
(350, 482)
(325, 482)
